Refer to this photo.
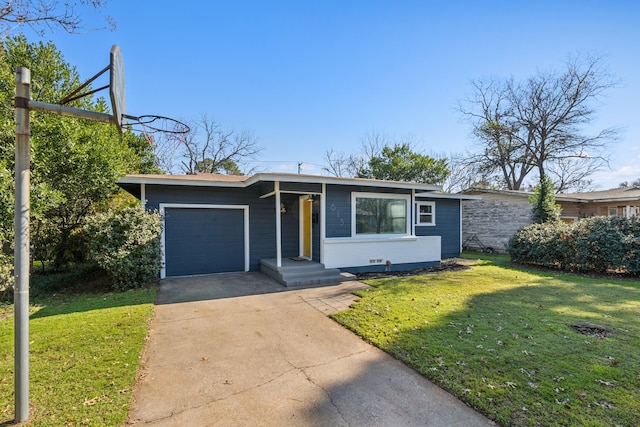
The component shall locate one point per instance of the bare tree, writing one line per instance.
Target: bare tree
(348, 165)
(537, 124)
(338, 164)
(209, 148)
(43, 15)
(572, 174)
(465, 175)
(503, 152)
(165, 149)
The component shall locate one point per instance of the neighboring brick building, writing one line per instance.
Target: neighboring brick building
(491, 221)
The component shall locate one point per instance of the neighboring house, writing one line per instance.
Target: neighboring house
(619, 201)
(223, 223)
(491, 221)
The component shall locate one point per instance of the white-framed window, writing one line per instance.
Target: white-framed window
(613, 211)
(375, 214)
(425, 213)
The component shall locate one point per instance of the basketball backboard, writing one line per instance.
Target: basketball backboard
(117, 88)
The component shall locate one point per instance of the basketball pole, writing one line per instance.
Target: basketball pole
(21, 248)
(22, 258)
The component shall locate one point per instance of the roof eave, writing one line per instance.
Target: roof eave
(139, 179)
(457, 196)
(319, 179)
(262, 177)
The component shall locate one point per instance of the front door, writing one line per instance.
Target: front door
(306, 205)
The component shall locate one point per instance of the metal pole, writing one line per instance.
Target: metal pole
(21, 251)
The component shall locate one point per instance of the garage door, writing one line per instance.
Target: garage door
(203, 241)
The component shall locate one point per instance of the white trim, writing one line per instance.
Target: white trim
(143, 196)
(416, 218)
(344, 252)
(405, 197)
(164, 206)
(276, 186)
(457, 196)
(205, 180)
(323, 219)
(301, 201)
(412, 205)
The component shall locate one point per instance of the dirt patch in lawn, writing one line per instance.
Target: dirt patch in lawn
(591, 329)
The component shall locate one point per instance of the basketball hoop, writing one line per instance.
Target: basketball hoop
(151, 123)
(148, 124)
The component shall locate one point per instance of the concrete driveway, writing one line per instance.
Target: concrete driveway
(241, 350)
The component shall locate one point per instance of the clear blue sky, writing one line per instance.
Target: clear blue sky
(307, 76)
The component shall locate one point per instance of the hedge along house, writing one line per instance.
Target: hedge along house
(299, 229)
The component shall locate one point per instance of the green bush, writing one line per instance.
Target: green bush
(126, 244)
(547, 244)
(595, 244)
(6, 277)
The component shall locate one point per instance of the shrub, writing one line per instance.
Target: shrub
(546, 244)
(126, 244)
(595, 244)
(544, 204)
(598, 243)
(6, 277)
(631, 243)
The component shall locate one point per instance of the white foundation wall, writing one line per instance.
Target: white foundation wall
(348, 252)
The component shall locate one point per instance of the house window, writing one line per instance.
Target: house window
(426, 213)
(376, 214)
(613, 211)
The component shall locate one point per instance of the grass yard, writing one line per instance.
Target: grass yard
(85, 351)
(499, 337)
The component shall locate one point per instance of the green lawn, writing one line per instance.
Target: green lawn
(85, 351)
(499, 337)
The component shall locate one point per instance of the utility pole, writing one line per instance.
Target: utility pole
(299, 167)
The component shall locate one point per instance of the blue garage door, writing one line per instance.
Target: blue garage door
(203, 241)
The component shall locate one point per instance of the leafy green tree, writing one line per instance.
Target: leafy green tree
(401, 163)
(74, 163)
(544, 204)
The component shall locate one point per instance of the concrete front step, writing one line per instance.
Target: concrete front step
(303, 273)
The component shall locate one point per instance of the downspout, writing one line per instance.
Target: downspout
(276, 188)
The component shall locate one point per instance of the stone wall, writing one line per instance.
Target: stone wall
(493, 220)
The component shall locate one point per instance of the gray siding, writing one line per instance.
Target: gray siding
(262, 216)
(290, 226)
(338, 221)
(262, 242)
(300, 186)
(447, 226)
